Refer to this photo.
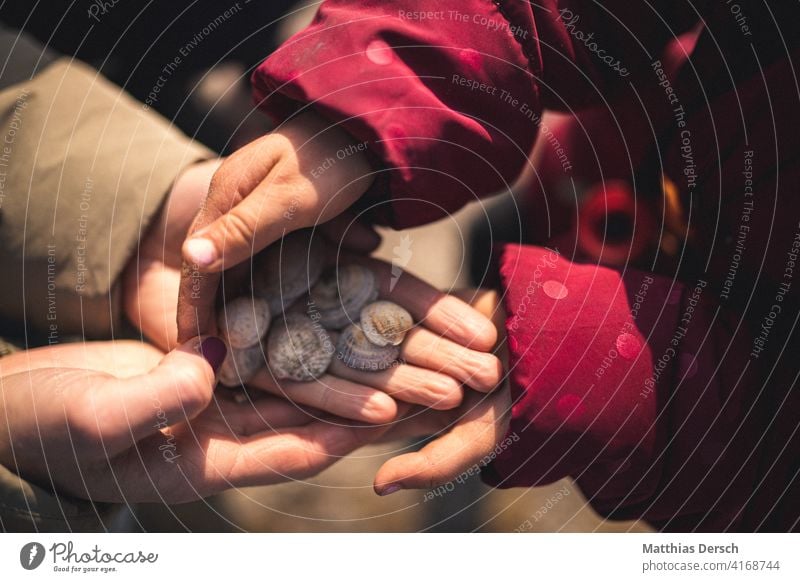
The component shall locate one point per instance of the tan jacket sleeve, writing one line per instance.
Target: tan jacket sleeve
(83, 169)
(25, 507)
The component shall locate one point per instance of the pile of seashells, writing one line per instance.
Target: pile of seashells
(340, 316)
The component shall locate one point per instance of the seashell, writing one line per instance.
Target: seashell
(336, 301)
(241, 365)
(385, 323)
(356, 351)
(334, 335)
(298, 349)
(287, 269)
(244, 321)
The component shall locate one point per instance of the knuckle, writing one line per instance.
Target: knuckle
(486, 370)
(327, 398)
(193, 386)
(380, 408)
(236, 229)
(446, 393)
(222, 181)
(450, 401)
(83, 422)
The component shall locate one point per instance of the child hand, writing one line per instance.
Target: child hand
(152, 277)
(285, 181)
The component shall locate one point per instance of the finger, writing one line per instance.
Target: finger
(448, 456)
(331, 394)
(238, 175)
(149, 297)
(205, 466)
(265, 190)
(351, 234)
(407, 383)
(120, 358)
(243, 230)
(296, 453)
(196, 298)
(487, 301)
(261, 414)
(116, 412)
(275, 186)
(442, 313)
(420, 422)
(478, 370)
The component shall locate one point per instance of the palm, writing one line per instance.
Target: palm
(234, 445)
(134, 433)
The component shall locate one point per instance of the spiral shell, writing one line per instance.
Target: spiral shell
(356, 351)
(298, 349)
(337, 300)
(385, 323)
(241, 365)
(244, 321)
(288, 269)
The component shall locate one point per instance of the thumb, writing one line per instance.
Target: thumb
(306, 172)
(461, 449)
(179, 388)
(260, 193)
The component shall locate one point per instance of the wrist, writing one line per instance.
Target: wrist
(328, 154)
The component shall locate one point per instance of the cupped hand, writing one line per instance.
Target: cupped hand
(447, 350)
(118, 422)
(466, 436)
(305, 173)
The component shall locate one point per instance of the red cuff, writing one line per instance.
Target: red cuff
(572, 415)
(618, 382)
(423, 95)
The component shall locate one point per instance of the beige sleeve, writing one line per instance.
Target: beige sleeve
(25, 507)
(83, 169)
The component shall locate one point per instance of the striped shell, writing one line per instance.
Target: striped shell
(288, 269)
(356, 351)
(385, 323)
(241, 365)
(337, 299)
(244, 321)
(298, 349)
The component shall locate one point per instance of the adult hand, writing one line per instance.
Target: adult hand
(287, 180)
(468, 433)
(110, 422)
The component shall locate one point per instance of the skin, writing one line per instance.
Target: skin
(246, 210)
(447, 351)
(117, 422)
(465, 435)
(260, 193)
(121, 422)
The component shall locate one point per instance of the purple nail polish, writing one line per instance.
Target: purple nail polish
(393, 488)
(214, 351)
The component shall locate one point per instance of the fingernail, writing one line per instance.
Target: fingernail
(214, 351)
(201, 251)
(393, 488)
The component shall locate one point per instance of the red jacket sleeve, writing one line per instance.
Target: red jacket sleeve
(447, 97)
(631, 383)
